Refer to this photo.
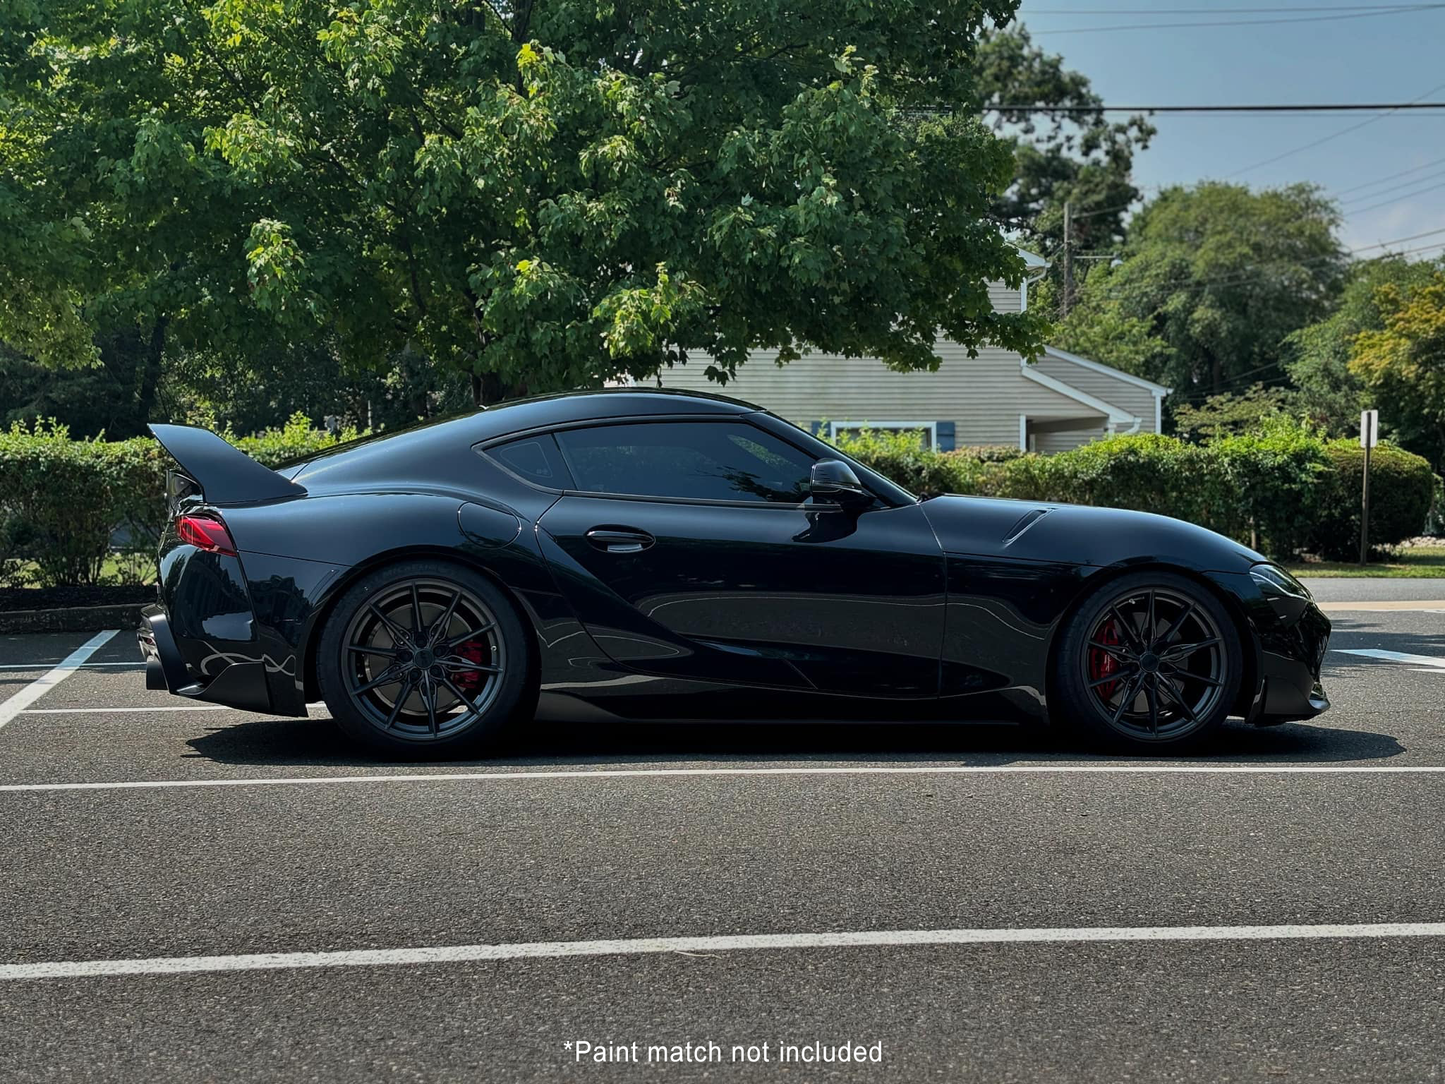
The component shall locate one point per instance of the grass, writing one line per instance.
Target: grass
(117, 568)
(1422, 561)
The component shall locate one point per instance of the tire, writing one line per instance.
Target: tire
(1179, 697)
(452, 693)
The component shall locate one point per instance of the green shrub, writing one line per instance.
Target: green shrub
(295, 440)
(1269, 488)
(70, 496)
(66, 505)
(1275, 483)
(1402, 490)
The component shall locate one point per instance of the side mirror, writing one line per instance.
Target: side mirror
(834, 480)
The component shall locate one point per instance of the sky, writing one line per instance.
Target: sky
(1375, 57)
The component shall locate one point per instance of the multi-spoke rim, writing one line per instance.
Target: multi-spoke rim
(424, 659)
(1155, 664)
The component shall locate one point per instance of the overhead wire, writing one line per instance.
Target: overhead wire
(1371, 13)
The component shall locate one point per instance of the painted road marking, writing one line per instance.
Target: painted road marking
(1431, 662)
(451, 954)
(643, 773)
(86, 666)
(89, 711)
(1434, 606)
(45, 682)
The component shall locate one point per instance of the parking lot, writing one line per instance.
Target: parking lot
(1016, 908)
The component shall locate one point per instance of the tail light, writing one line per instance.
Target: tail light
(205, 533)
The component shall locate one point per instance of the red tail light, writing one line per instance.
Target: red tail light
(205, 533)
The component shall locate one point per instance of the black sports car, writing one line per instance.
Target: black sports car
(649, 554)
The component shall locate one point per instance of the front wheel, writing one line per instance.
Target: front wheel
(424, 657)
(1149, 660)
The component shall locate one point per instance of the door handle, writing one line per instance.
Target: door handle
(619, 539)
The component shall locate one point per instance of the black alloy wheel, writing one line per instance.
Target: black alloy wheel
(423, 656)
(1151, 660)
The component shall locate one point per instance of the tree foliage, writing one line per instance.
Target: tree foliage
(1328, 391)
(1212, 281)
(1232, 413)
(541, 195)
(1402, 363)
(1072, 153)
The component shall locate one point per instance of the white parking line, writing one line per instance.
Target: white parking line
(451, 954)
(84, 666)
(1432, 662)
(92, 711)
(859, 769)
(45, 682)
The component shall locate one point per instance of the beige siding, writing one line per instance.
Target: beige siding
(1069, 438)
(1129, 398)
(982, 396)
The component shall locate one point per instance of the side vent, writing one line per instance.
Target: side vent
(1025, 522)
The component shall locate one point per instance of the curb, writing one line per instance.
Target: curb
(72, 619)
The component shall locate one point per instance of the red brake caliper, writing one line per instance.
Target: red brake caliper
(469, 681)
(1102, 664)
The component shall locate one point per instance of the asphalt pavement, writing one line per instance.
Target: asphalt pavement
(210, 895)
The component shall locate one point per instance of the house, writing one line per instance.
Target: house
(1058, 402)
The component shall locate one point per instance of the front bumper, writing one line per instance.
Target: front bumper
(1291, 659)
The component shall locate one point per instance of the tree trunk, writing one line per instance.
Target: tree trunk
(150, 376)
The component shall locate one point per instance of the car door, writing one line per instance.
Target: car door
(690, 547)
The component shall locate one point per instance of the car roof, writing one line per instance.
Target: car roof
(441, 436)
(567, 407)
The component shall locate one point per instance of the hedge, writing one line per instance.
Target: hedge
(1402, 493)
(66, 505)
(1281, 490)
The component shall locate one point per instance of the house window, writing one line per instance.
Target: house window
(927, 431)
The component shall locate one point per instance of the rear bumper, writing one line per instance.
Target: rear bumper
(165, 669)
(240, 684)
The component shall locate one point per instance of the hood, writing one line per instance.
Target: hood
(1079, 535)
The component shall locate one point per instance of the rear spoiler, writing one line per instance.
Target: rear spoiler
(224, 473)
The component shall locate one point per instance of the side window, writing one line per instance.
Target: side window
(719, 461)
(534, 458)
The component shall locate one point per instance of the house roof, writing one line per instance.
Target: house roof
(1158, 390)
(1033, 259)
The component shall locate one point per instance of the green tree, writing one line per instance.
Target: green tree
(538, 195)
(1329, 392)
(1402, 364)
(1072, 153)
(1230, 414)
(1213, 281)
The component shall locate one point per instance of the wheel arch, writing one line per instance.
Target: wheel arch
(338, 588)
(1250, 650)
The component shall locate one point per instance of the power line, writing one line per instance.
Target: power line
(1089, 12)
(1243, 22)
(1397, 199)
(1389, 177)
(1286, 107)
(1324, 139)
(1243, 280)
(1392, 188)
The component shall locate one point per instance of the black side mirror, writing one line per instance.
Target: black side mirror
(834, 480)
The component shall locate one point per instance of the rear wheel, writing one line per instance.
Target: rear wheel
(1150, 660)
(424, 657)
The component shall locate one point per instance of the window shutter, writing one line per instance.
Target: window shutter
(817, 429)
(944, 430)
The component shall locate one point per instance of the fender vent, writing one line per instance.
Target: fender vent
(1025, 522)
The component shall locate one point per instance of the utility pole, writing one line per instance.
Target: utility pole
(1068, 256)
(1369, 437)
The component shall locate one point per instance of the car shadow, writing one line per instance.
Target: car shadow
(316, 743)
